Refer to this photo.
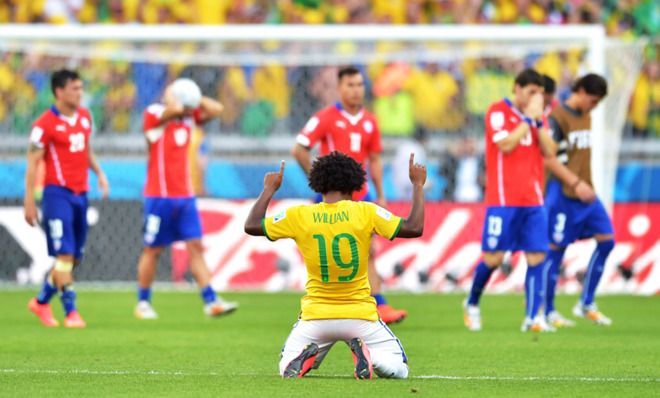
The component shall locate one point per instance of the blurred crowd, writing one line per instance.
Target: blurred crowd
(438, 97)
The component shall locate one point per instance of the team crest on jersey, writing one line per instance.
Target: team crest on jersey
(84, 122)
(279, 217)
(60, 127)
(492, 242)
(384, 214)
(497, 120)
(340, 124)
(180, 136)
(368, 126)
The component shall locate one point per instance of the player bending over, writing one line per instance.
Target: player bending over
(61, 137)
(170, 210)
(334, 237)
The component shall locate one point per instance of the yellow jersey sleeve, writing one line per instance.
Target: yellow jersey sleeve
(282, 225)
(385, 223)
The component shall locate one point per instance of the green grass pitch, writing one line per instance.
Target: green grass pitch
(185, 354)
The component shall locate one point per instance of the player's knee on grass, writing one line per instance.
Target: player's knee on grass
(493, 259)
(388, 365)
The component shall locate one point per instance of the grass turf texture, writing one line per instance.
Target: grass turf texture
(186, 354)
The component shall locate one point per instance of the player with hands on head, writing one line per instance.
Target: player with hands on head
(170, 208)
(516, 144)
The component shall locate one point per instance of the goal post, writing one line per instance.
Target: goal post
(306, 45)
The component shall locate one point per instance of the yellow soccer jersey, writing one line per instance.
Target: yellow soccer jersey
(334, 239)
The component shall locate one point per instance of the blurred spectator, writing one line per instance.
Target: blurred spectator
(463, 171)
(417, 145)
(645, 104)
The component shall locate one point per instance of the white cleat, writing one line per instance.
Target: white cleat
(538, 324)
(591, 313)
(558, 320)
(144, 310)
(220, 307)
(471, 317)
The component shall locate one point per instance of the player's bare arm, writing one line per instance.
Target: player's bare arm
(272, 182)
(547, 144)
(376, 172)
(534, 111)
(512, 140)
(34, 156)
(582, 190)
(413, 226)
(303, 157)
(210, 108)
(94, 165)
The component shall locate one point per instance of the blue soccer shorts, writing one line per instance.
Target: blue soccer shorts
(64, 215)
(515, 228)
(168, 220)
(571, 219)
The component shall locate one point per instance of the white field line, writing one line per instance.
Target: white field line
(588, 379)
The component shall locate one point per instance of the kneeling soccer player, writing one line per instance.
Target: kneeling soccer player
(334, 237)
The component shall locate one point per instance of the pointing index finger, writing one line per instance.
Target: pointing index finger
(412, 159)
(282, 167)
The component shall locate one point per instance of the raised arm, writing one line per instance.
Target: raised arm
(272, 182)
(211, 108)
(511, 141)
(303, 157)
(413, 226)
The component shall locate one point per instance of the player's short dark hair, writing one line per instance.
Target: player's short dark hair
(549, 85)
(347, 71)
(60, 78)
(336, 172)
(592, 84)
(529, 76)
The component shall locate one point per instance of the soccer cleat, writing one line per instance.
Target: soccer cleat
(389, 315)
(144, 310)
(538, 324)
(73, 320)
(44, 313)
(558, 320)
(302, 364)
(220, 307)
(364, 369)
(591, 313)
(471, 317)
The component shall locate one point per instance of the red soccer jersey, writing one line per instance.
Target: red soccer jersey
(337, 130)
(168, 172)
(65, 141)
(516, 178)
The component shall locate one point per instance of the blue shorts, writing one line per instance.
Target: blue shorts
(65, 221)
(571, 219)
(168, 220)
(368, 197)
(515, 228)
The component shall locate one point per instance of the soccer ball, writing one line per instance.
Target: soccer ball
(187, 93)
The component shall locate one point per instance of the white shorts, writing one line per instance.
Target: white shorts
(387, 355)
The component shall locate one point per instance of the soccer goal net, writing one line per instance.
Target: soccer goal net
(433, 82)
